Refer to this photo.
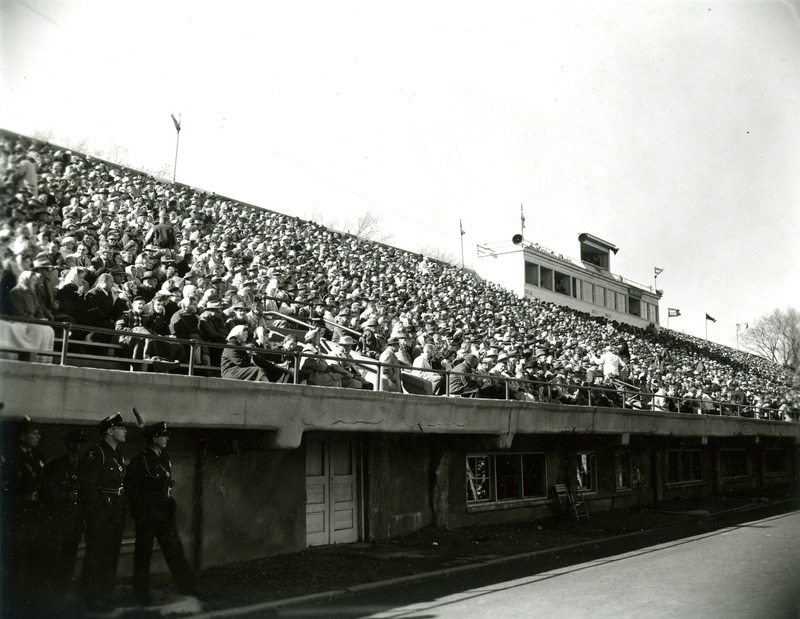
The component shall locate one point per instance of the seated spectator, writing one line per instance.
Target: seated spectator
(369, 344)
(237, 363)
(313, 370)
(70, 294)
(25, 303)
(133, 322)
(158, 324)
(273, 363)
(463, 381)
(185, 325)
(427, 360)
(351, 375)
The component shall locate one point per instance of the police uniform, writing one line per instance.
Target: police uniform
(101, 476)
(22, 522)
(60, 492)
(149, 485)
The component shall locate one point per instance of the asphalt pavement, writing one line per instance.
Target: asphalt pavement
(324, 573)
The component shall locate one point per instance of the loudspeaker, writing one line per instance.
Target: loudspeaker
(517, 239)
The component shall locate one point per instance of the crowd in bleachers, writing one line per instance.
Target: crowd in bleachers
(88, 242)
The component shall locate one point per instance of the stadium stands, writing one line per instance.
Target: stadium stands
(100, 235)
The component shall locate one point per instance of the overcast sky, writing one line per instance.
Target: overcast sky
(670, 129)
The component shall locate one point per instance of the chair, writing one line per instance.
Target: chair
(565, 499)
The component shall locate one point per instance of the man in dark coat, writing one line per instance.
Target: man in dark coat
(238, 363)
(22, 522)
(60, 499)
(461, 383)
(149, 485)
(101, 476)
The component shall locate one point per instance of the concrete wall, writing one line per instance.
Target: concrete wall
(253, 504)
(397, 475)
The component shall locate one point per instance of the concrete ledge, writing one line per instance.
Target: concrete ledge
(64, 394)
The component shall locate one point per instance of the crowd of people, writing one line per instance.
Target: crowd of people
(98, 245)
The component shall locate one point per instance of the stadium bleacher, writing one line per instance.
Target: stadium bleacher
(154, 237)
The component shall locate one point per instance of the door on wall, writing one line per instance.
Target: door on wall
(332, 515)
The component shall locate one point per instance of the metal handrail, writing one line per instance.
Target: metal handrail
(535, 387)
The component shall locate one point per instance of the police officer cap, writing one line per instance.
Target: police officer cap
(112, 421)
(25, 425)
(75, 437)
(156, 430)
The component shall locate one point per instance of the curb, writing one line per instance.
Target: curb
(326, 595)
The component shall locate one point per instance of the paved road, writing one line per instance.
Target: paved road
(750, 571)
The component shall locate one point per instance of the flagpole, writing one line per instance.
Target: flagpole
(177, 141)
(461, 230)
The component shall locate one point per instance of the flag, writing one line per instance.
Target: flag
(710, 318)
(521, 215)
(177, 124)
(673, 312)
(461, 228)
(658, 271)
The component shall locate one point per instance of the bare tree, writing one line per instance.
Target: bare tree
(368, 226)
(442, 255)
(776, 336)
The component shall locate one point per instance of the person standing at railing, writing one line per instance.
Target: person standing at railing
(390, 377)
(610, 361)
(100, 307)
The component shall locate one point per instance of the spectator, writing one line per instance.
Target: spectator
(237, 363)
(463, 381)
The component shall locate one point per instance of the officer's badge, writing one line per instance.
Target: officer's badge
(92, 455)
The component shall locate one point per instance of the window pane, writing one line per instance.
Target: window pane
(622, 464)
(534, 475)
(509, 477)
(478, 478)
(585, 471)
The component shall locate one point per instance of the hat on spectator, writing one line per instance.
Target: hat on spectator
(393, 340)
(149, 275)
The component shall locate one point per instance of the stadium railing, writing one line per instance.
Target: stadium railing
(73, 352)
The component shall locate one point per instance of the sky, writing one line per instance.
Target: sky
(670, 129)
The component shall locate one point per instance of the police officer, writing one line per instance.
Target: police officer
(23, 538)
(149, 484)
(60, 499)
(101, 475)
